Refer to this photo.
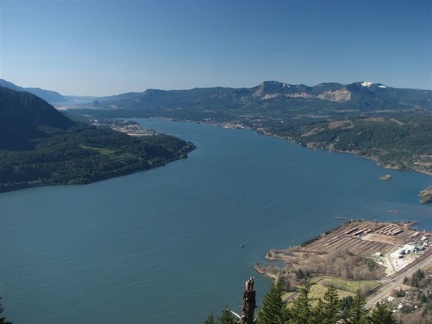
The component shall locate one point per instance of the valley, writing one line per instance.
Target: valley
(391, 126)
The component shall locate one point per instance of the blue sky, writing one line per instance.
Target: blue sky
(105, 47)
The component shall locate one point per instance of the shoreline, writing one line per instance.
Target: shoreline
(183, 154)
(261, 131)
(373, 158)
(394, 246)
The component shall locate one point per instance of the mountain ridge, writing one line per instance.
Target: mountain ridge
(358, 95)
(266, 87)
(48, 95)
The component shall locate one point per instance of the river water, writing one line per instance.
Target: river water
(164, 246)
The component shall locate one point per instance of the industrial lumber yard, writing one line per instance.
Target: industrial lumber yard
(357, 252)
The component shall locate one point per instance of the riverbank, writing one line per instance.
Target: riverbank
(425, 168)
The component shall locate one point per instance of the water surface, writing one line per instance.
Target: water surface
(164, 246)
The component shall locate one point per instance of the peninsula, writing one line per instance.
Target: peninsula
(40, 146)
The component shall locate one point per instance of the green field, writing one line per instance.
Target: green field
(344, 287)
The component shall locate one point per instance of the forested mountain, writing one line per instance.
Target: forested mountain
(22, 118)
(47, 95)
(390, 125)
(40, 146)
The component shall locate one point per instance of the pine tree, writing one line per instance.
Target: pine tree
(329, 311)
(346, 305)
(382, 314)
(301, 311)
(2, 318)
(226, 317)
(273, 309)
(210, 319)
(358, 313)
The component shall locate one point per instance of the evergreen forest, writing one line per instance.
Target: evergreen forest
(40, 146)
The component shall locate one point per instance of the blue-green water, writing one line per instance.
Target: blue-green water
(163, 246)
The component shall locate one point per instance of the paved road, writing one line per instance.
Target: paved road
(395, 281)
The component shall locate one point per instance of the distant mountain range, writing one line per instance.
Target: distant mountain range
(47, 95)
(359, 96)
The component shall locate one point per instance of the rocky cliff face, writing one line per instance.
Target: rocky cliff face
(329, 92)
(340, 95)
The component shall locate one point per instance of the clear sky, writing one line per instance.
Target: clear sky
(105, 47)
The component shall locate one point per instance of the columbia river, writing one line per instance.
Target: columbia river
(164, 246)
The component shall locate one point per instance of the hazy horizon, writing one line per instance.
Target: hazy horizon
(108, 47)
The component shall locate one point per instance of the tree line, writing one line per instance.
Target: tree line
(411, 303)
(303, 309)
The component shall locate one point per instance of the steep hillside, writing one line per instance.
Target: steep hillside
(23, 116)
